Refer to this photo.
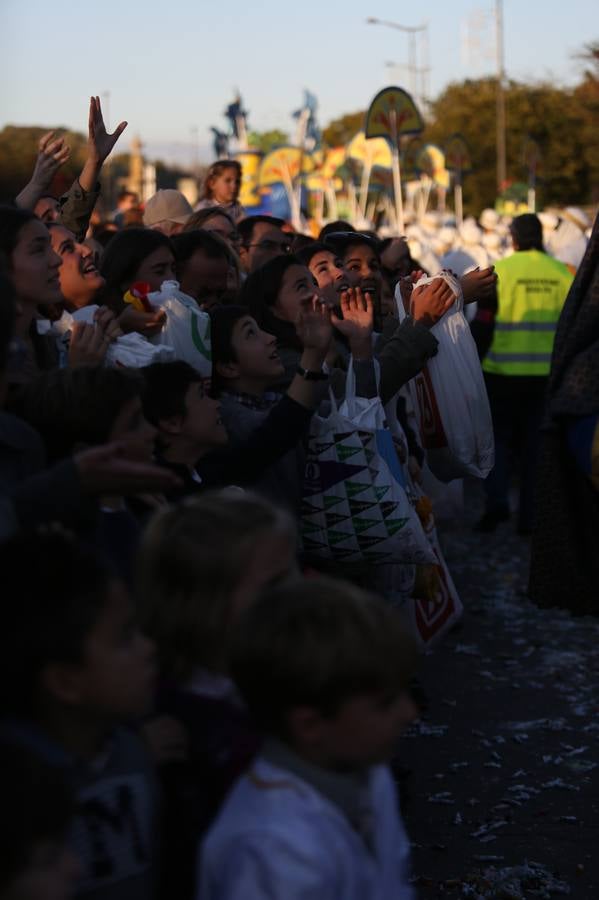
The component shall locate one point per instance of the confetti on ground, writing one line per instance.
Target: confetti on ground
(514, 883)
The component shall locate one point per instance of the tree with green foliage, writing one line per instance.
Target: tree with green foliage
(549, 115)
(267, 140)
(341, 130)
(586, 101)
(18, 153)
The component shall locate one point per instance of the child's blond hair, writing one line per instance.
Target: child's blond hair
(192, 559)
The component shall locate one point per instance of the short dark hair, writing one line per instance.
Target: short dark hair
(60, 591)
(222, 322)
(186, 243)
(527, 232)
(317, 643)
(122, 258)
(300, 242)
(37, 806)
(74, 406)
(341, 241)
(332, 227)
(247, 225)
(166, 385)
(306, 253)
(261, 287)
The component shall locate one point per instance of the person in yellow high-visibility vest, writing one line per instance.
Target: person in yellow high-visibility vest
(532, 287)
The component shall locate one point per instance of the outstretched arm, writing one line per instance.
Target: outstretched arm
(77, 204)
(52, 154)
(99, 144)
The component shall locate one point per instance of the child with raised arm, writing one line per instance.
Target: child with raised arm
(191, 436)
(323, 668)
(76, 206)
(246, 363)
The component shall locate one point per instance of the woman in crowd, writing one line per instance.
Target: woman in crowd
(136, 255)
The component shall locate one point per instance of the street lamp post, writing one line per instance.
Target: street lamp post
(501, 165)
(412, 31)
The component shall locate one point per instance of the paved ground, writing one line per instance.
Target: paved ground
(504, 765)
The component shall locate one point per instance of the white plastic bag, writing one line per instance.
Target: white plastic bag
(187, 327)
(354, 505)
(131, 351)
(450, 397)
(134, 351)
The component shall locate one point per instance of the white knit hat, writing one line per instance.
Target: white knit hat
(489, 218)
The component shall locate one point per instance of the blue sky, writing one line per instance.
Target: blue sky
(172, 66)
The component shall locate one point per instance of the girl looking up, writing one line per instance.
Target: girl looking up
(32, 265)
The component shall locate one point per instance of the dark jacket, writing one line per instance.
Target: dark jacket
(285, 426)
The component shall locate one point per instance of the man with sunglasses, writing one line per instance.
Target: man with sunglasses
(262, 239)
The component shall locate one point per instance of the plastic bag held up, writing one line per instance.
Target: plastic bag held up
(187, 327)
(450, 397)
(131, 351)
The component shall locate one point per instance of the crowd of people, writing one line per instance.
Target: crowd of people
(195, 702)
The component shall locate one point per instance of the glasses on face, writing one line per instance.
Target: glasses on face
(267, 244)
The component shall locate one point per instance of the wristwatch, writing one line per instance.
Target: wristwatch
(312, 376)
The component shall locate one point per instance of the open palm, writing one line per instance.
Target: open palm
(99, 141)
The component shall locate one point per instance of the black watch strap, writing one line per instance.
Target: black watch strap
(312, 376)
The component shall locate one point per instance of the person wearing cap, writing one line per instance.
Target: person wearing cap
(532, 288)
(167, 211)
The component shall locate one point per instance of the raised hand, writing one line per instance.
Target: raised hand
(406, 286)
(110, 469)
(480, 284)
(52, 154)
(314, 329)
(99, 141)
(430, 302)
(88, 345)
(99, 144)
(357, 323)
(107, 322)
(144, 323)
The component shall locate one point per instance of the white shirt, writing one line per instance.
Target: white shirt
(278, 838)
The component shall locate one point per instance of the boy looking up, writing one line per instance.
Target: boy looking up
(323, 668)
(191, 436)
